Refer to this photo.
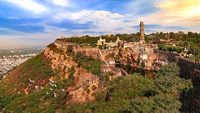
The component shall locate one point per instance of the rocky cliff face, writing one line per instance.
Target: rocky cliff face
(86, 85)
(62, 62)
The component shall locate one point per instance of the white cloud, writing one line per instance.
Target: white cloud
(102, 21)
(31, 5)
(63, 3)
(84, 16)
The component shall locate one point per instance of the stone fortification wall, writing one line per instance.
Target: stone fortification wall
(190, 69)
(169, 56)
(87, 51)
(190, 99)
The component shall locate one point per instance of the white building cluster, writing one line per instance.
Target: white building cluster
(7, 63)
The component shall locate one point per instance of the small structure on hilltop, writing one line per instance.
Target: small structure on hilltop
(101, 42)
(111, 44)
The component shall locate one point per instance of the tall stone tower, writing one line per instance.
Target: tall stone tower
(142, 39)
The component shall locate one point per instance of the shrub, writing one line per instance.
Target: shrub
(90, 64)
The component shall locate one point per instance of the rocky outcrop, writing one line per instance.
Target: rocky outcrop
(85, 88)
(138, 59)
(85, 83)
(60, 62)
(88, 51)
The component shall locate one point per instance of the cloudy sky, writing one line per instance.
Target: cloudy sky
(27, 23)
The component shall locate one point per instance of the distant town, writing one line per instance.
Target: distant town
(11, 58)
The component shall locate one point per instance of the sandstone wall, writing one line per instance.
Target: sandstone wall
(169, 56)
(190, 99)
(87, 51)
(190, 69)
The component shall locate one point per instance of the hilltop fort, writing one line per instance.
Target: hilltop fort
(71, 72)
(116, 58)
(137, 54)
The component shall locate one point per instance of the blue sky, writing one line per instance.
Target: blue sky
(26, 23)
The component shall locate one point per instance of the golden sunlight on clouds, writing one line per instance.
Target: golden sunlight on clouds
(178, 4)
(185, 8)
(176, 12)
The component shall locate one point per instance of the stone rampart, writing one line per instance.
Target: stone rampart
(189, 69)
(90, 52)
(169, 56)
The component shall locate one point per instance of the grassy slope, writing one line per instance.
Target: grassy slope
(90, 64)
(37, 69)
(12, 97)
(11, 90)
